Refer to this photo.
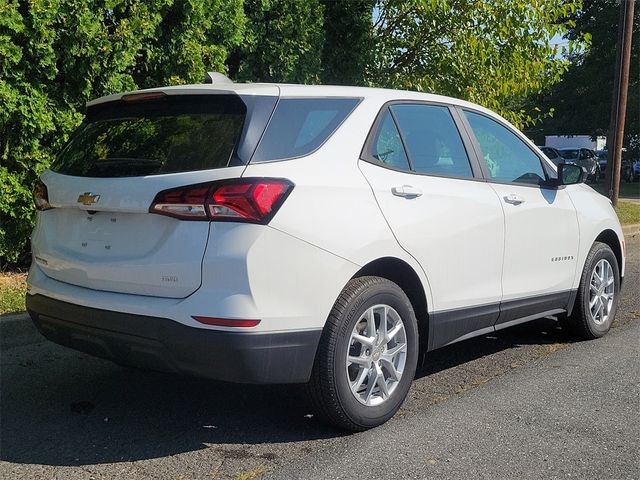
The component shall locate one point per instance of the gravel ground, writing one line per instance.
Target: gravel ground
(523, 403)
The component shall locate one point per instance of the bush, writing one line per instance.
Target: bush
(55, 55)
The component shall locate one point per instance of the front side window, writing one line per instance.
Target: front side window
(507, 157)
(300, 125)
(432, 139)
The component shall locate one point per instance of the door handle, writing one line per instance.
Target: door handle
(406, 191)
(513, 199)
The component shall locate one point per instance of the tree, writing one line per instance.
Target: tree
(493, 53)
(582, 99)
(57, 54)
(283, 42)
(348, 48)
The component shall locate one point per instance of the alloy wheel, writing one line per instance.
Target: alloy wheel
(376, 355)
(601, 292)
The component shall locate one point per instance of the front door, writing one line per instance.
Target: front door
(441, 214)
(541, 225)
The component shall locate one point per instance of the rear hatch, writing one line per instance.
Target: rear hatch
(99, 233)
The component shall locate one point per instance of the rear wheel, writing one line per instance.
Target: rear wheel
(597, 298)
(367, 355)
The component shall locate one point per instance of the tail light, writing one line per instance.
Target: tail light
(254, 200)
(41, 196)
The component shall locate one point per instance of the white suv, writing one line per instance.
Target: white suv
(310, 234)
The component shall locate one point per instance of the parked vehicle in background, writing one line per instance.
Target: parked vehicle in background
(585, 158)
(603, 159)
(269, 233)
(632, 171)
(629, 170)
(575, 141)
(552, 154)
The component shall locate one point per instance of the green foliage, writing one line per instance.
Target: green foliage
(582, 100)
(348, 48)
(283, 44)
(57, 54)
(492, 53)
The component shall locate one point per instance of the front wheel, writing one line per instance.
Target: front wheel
(597, 298)
(367, 355)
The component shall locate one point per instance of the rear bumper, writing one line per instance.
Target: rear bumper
(166, 345)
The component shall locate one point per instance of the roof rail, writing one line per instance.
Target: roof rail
(216, 78)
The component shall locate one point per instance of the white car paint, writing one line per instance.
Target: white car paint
(467, 246)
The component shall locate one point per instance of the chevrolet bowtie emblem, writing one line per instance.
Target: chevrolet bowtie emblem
(88, 198)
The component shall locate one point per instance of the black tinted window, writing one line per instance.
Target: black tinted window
(432, 139)
(549, 152)
(152, 137)
(570, 154)
(387, 147)
(300, 125)
(508, 158)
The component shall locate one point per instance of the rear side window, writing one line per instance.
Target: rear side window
(433, 141)
(152, 137)
(300, 125)
(387, 147)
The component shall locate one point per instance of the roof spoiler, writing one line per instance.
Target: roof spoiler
(216, 78)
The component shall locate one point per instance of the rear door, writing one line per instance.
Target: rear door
(100, 233)
(427, 184)
(541, 226)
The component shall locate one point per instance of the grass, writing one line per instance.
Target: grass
(628, 212)
(12, 290)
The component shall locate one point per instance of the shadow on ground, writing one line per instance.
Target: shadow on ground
(60, 407)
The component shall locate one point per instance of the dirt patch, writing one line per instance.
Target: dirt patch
(13, 280)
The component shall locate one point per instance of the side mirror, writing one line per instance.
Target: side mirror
(570, 174)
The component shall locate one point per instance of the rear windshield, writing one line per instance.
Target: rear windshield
(152, 137)
(300, 125)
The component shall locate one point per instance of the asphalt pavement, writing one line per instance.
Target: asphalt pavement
(526, 402)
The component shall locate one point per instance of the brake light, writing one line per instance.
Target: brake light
(143, 97)
(253, 200)
(41, 196)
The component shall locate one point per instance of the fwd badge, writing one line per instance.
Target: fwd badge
(88, 198)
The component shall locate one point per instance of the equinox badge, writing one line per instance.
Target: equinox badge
(88, 198)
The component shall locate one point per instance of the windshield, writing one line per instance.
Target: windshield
(549, 152)
(152, 137)
(570, 154)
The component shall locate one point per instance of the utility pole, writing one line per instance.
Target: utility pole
(619, 103)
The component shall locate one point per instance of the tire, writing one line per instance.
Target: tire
(582, 322)
(330, 385)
